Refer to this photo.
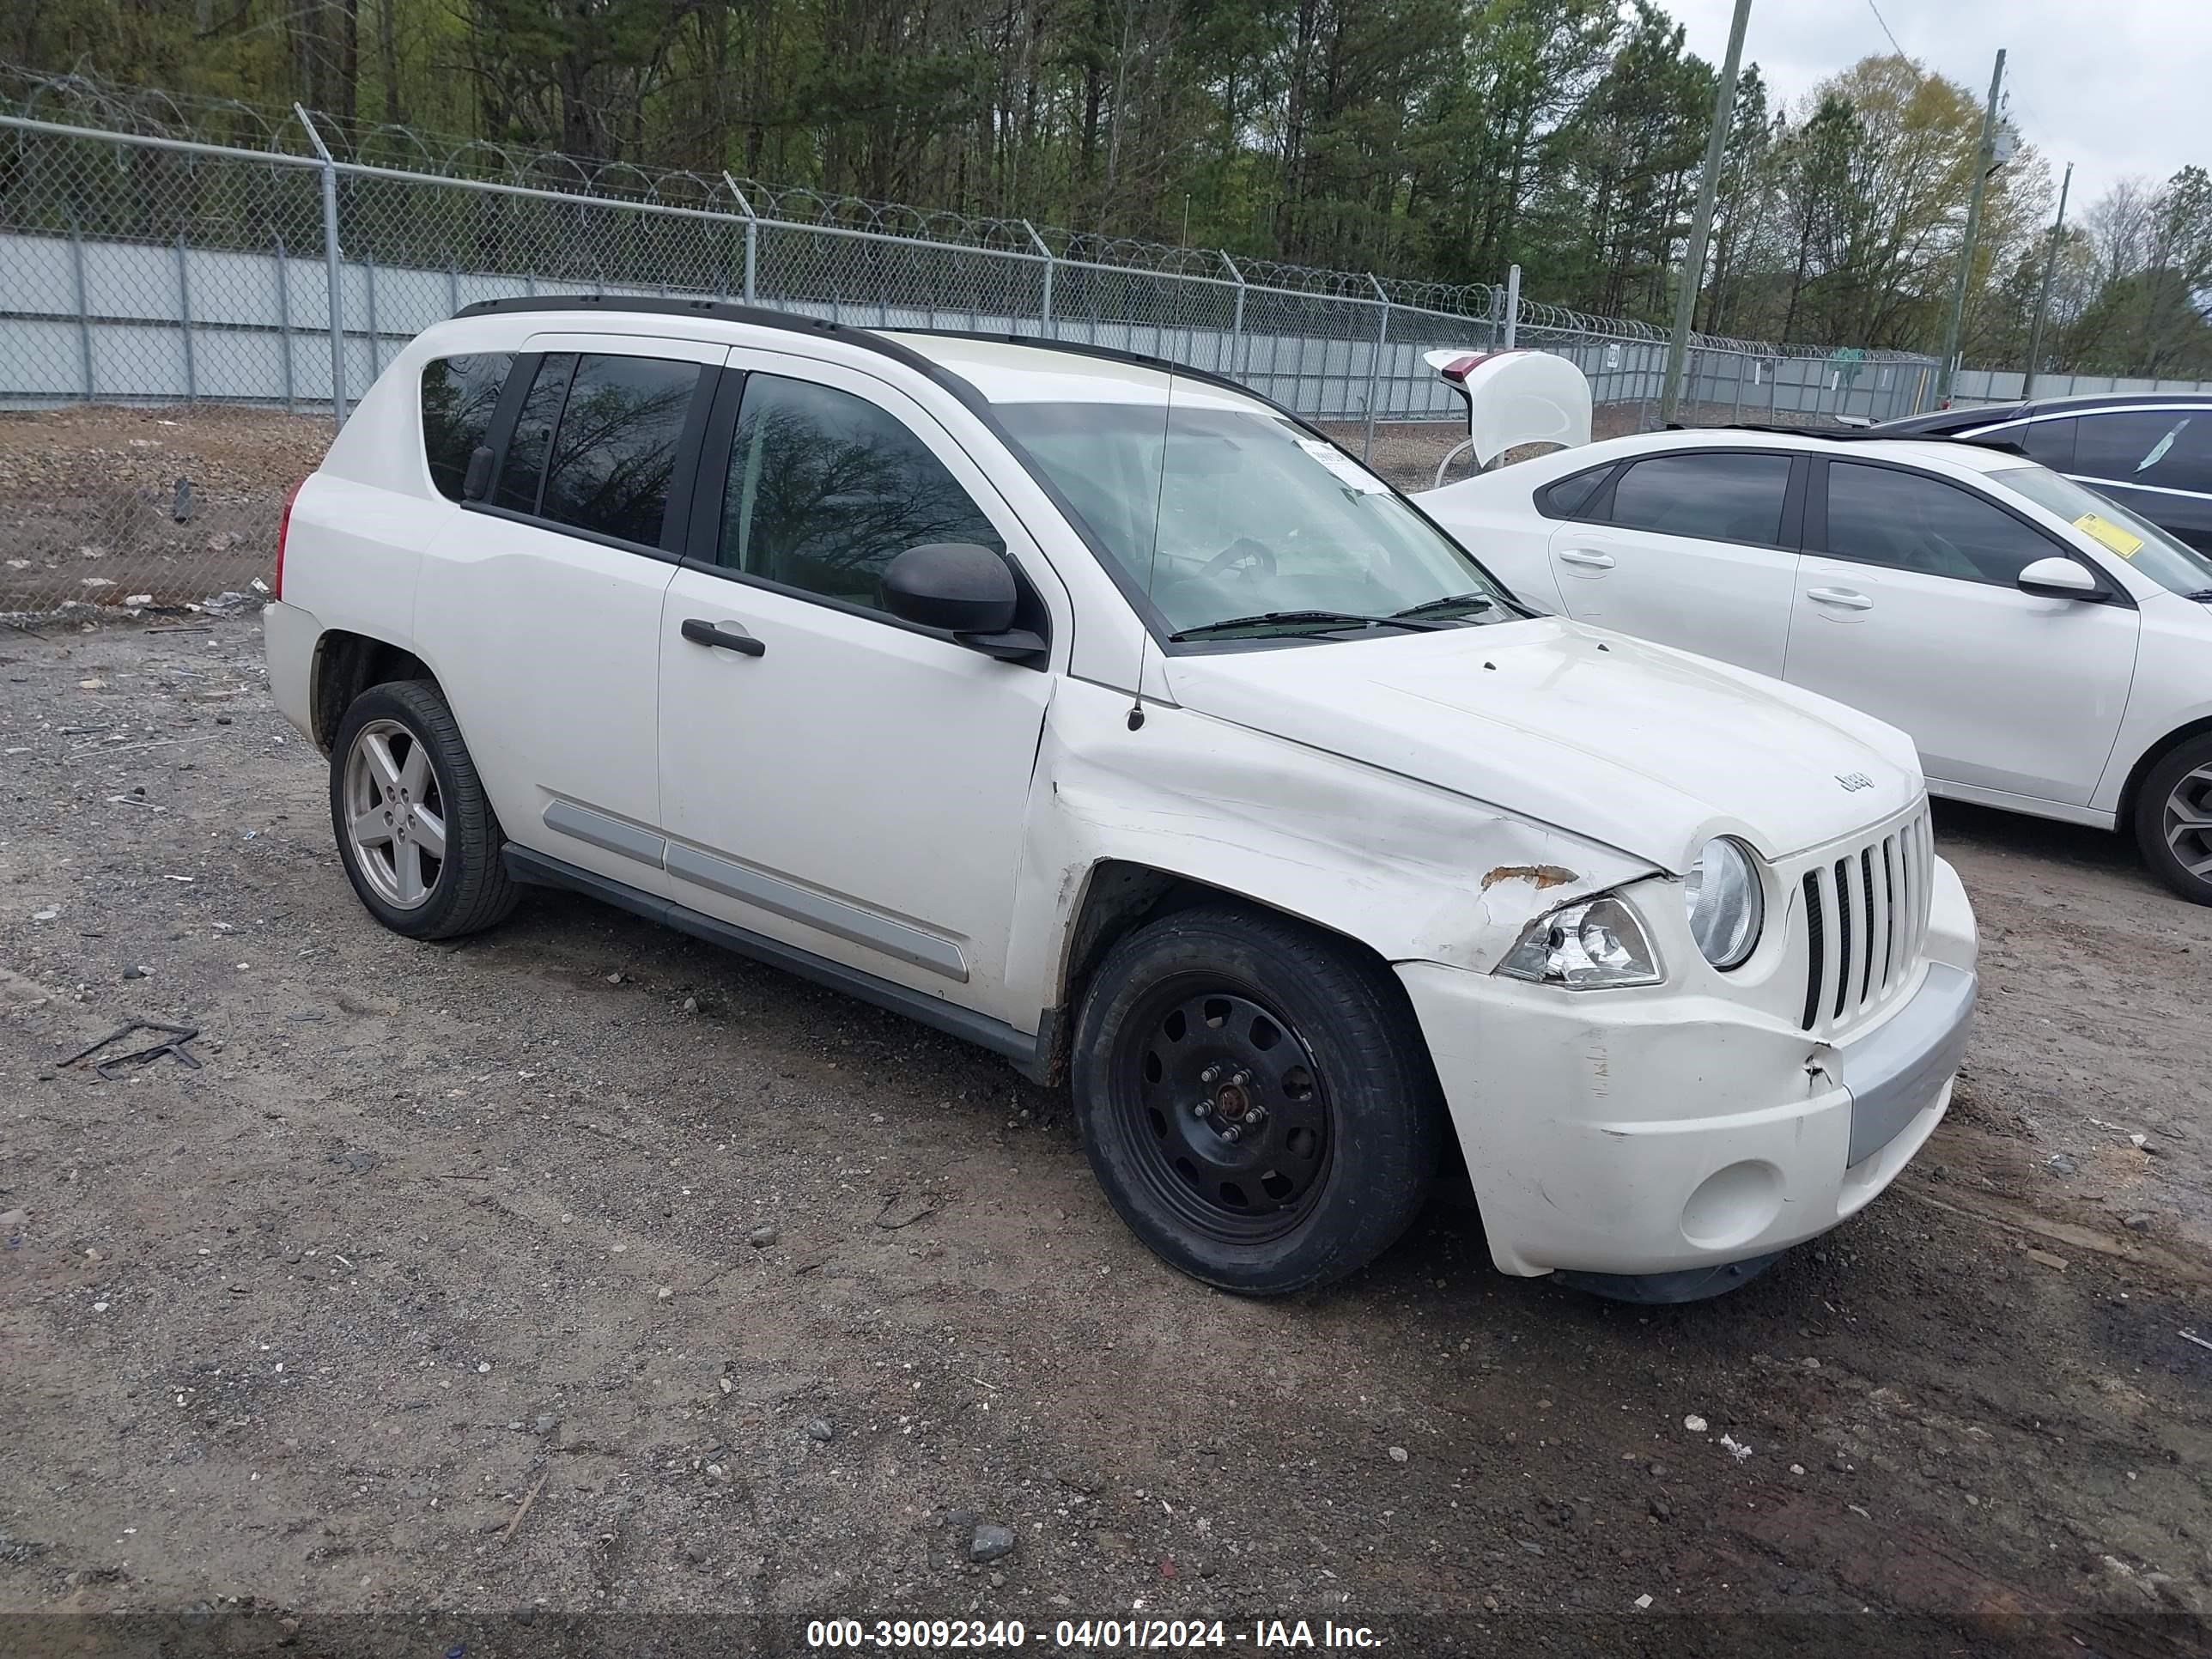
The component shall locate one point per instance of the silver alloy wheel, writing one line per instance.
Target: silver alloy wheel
(395, 816)
(2189, 822)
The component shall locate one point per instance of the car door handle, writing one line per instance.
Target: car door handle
(700, 631)
(1583, 556)
(1841, 598)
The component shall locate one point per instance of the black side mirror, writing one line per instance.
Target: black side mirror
(477, 479)
(966, 590)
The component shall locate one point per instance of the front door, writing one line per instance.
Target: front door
(1922, 626)
(836, 780)
(1693, 549)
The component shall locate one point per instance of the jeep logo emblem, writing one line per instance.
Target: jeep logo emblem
(1855, 781)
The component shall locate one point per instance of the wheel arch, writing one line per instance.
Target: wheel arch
(346, 665)
(2124, 815)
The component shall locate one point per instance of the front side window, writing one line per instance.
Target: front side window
(1723, 497)
(2166, 560)
(2165, 448)
(1229, 517)
(460, 395)
(825, 489)
(1910, 521)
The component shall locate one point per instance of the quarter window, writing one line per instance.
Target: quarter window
(1910, 521)
(1723, 496)
(2168, 448)
(825, 489)
(460, 395)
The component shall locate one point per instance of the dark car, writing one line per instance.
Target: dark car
(2149, 451)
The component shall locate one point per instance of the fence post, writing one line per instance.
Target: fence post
(1512, 304)
(368, 277)
(452, 288)
(332, 270)
(184, 311)
(284, 318)
(1738, 417)
(752, 237)
(1045, 253)
(1237, 323)
(83, 306)
(1375, 365)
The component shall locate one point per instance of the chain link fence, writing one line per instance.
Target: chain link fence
(182, 314)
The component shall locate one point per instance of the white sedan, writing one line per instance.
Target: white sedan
(2048, 650)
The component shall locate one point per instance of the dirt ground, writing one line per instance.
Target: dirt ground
(495, 1298)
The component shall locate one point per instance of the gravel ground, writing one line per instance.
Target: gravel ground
(580, 1270)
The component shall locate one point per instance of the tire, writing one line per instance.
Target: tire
(422, 782)
(2173, 818)
(1339, 1118)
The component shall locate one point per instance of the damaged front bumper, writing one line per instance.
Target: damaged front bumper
(1678, 1134)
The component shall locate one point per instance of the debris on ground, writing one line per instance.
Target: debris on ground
(179, 1035)
(989, 1541)
(1694, 1423)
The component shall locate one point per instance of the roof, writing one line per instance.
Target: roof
(1967, 418)
(1926, 452)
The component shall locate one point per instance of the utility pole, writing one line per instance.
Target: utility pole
(1701, 223)
(2043, 294)
(1984, 164)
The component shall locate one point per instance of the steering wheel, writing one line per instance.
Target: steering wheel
(1244, 556)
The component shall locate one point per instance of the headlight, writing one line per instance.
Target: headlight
(1594, 944)
(1726, 904)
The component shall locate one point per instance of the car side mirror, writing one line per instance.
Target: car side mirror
(477, 479)
(965, 589)
(2059, 579)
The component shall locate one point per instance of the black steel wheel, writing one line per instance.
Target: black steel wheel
(1256, 1099)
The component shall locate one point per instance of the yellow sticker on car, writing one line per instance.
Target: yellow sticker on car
(2124, 543)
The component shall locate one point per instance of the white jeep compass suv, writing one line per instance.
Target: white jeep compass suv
(1098, 711)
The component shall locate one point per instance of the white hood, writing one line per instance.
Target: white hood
(1645, 749)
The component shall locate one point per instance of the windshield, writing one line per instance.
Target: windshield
(2171, 563)
(1232, 519)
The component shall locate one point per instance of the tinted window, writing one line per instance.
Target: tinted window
(2049, 443)
(616, 448)
(459, 397)
(2169, 448)
(524, 469)
(825, 489)
(1910, 521)
(1722, 497)
(1571, 495)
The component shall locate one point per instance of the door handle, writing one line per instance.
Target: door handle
(700, 631)
(1583, 556)
(1842, 598)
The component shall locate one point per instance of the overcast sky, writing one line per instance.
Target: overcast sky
(2116, 87)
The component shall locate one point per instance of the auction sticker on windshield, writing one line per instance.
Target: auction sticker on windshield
(2102, 529)
(1345, 467)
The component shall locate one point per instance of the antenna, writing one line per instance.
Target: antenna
(1152, 564)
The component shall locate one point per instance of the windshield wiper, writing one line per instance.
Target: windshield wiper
(1272, 618)
(2202, 594)
(1449, 602)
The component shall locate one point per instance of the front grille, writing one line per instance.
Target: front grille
(1866, 918)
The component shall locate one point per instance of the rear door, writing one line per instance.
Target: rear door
(2156, 460)
(1695, 549)
(1906, 608)
(540, 608)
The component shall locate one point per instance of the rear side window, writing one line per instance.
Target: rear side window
(1910, 521)
(1727, 497)
(595, 443)
(459, 397)
(825, 489)
(2165, 448)
(615, 450)
(522, 473)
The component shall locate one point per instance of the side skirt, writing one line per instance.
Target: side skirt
(1031, 1055)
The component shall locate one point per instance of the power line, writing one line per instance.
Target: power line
(1878, 18)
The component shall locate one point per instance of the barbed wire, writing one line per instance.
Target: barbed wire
(81, 99)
